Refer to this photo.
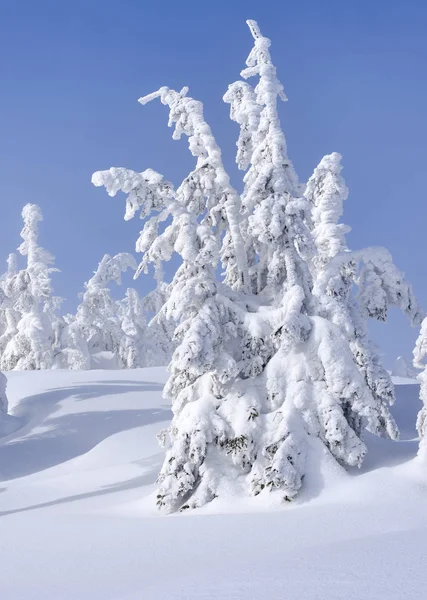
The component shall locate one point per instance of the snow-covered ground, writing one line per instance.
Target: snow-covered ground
(77, 516)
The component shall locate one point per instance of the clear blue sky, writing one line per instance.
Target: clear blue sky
(71, 73)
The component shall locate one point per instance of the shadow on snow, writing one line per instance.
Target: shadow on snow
(148, 477)
(27, 451)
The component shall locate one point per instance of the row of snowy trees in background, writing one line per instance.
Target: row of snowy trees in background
(274, 371)
(33, 334)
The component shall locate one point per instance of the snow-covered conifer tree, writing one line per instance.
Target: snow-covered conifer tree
(9, 317)
(32, 344)
(96, 326)
(336, 271)
(133, 349)
(266, 368)
(201, 365)
(403, 368)
(143, 344)
(420, 362)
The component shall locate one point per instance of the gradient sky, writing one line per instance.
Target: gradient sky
(71, 74)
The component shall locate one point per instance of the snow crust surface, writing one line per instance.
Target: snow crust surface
(78, 517)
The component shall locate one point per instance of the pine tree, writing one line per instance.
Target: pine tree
(9, 317)
(96, 326)
(143, 344)
(32, 344)
(273, 365)
(200, 365)
(337, 271)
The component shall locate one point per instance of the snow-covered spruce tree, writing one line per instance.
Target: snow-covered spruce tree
(402, 367)
(264, 371)
(133, 350)
(9, 317)
(144, 344)
(311, 385)
(420, 362)
(337, 271)
(96, 325)
(201, 366)
(32, 344)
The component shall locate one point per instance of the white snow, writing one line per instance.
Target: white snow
(78, 518)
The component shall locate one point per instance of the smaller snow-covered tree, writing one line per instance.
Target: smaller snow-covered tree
(143, 344)
(96, 326)
(30, 290)
(337, 271)
(403, 368)
(132, 346)
(9, 317)
(420, 362)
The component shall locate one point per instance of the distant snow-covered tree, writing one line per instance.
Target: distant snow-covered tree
(132, 349)
(31, 343)
(9, 317)
(96, 326)
(403, 368)
(143, 344)
(272, 362)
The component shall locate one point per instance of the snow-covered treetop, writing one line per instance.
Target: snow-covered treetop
(207, 187)
(12, 264)
(32, 215)
(326, 190)
(32, 284)
(111, 269)
(245, 110)
(271, 149)
(276, 236)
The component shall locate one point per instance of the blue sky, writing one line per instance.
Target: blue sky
(72, 72)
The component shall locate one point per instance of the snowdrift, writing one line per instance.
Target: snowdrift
(78, 517)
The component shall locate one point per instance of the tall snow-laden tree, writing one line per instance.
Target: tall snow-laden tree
(307, 388)
(32, 346)
(96, 326)
(268, 371)
(420, 362)
(201, 365)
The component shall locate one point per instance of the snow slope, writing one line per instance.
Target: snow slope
(77, 517)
